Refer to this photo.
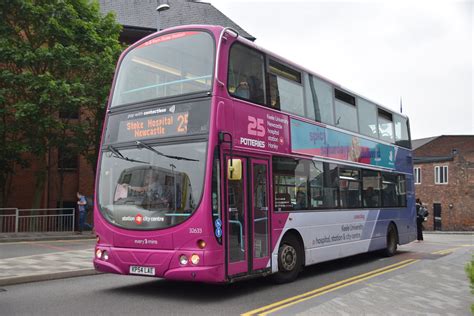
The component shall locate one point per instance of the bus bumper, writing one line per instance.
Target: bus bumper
(199, 274)
(164, 262)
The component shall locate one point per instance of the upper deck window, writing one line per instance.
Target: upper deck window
(286, 90)
(346, 112)
(322, 101)
(402, 137)
(246, 74)
(385, 126)
(169, 65)
(367, 118)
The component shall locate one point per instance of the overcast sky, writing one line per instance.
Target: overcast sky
(421, 51)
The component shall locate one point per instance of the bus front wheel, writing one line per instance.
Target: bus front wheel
(290, 259)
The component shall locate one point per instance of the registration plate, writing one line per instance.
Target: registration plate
(142, 270)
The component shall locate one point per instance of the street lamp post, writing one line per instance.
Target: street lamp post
(160, 8)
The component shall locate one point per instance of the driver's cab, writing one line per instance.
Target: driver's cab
(146, 186)
(163, 195)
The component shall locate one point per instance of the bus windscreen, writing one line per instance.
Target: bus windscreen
(142, 190)
(166, 66)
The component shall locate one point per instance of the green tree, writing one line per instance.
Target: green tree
(56, 56)
(470, 275)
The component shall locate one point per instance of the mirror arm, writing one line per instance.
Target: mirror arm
(222, 140)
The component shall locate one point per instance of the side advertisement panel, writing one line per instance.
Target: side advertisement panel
(315, 140)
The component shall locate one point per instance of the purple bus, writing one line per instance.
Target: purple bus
(222, 161)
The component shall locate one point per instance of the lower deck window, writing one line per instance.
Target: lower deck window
(301, 184)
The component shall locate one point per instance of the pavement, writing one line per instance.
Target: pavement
(47, 266)
(433, 286)
(17, 237)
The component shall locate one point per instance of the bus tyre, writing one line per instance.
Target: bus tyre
(290, 259)
(392, 241)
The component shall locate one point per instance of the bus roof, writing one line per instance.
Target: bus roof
(217, 29)
(302, 68)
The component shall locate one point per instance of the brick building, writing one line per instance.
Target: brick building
(139, 19)
(444, 180)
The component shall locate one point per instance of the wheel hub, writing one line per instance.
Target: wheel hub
(288, 258)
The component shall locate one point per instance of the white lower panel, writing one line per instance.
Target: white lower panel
(321, 254)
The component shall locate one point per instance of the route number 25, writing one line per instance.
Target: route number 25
(255, 127)
(182, 123)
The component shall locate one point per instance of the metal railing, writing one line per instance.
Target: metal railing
(14, 220)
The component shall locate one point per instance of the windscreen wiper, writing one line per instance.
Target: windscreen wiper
(142, 145)
(118, 154)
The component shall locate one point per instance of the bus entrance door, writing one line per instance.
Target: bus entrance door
(236, 221)
(248, 218)
(260, 215)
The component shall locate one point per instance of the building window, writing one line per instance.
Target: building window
(441, 174)
(69, 114)
(68, 160)
(417, 175)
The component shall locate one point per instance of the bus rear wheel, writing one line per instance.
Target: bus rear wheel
(392, 241)
(290, 259)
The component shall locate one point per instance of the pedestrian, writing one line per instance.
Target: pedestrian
(420, 218)
(82, 206)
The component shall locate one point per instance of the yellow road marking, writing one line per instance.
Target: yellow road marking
(265, 310)
(445, 251)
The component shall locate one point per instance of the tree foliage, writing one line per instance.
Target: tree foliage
(470, 275)
(56, 56)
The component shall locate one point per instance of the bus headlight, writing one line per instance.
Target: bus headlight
(105, 255)
(98, 253)
(183, 260)
(195, 259)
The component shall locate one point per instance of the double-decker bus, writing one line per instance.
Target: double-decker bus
(222, 161)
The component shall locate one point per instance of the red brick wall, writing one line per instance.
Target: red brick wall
(23, 184)
(443, 146)
(460, 188)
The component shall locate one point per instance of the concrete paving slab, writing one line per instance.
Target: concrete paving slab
(17, 237)
(46, 267)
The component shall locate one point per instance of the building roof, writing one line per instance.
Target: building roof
(418, 160)
(442, 148)
(416, 143)
(142, 14)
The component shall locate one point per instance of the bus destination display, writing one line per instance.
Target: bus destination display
(180, 119)
(155, 126)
